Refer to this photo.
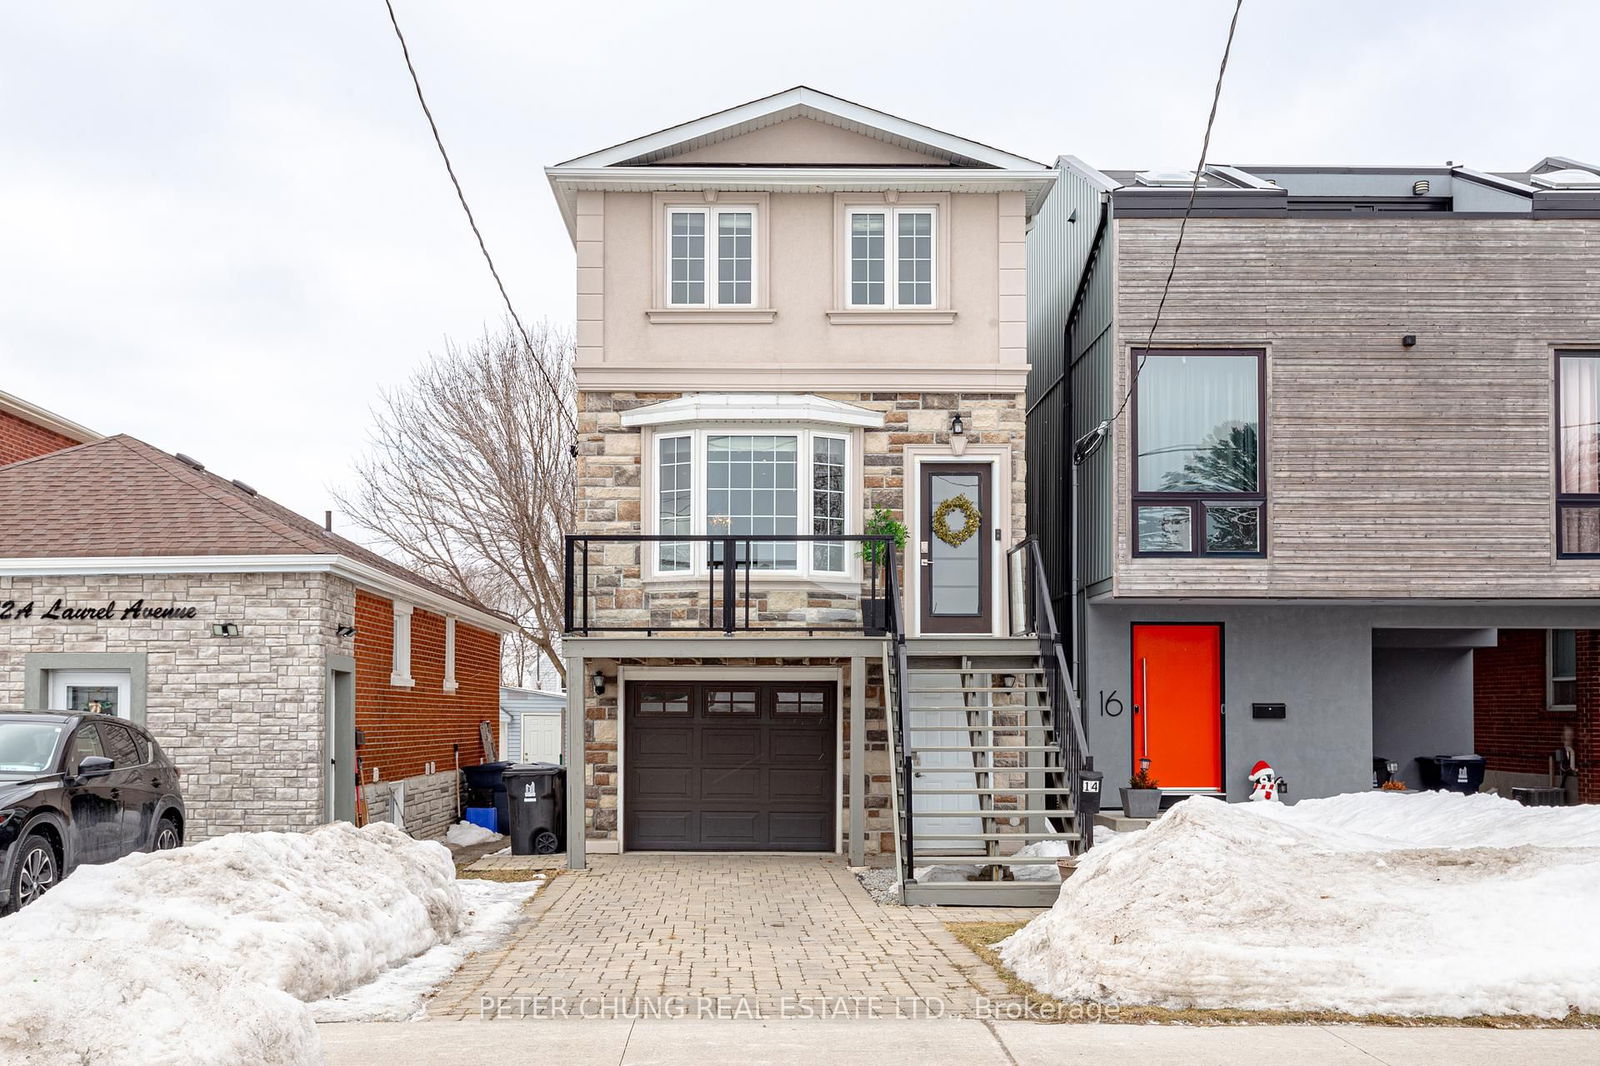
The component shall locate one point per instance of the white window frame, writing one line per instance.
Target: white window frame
(805, 438)
(1550, 677)
(400, 660)
(891, 257)
(711, 213)
(450, 683)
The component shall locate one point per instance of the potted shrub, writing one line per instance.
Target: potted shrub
(875, 609)
(1142, 797)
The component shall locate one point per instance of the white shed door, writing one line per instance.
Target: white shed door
(541, 738)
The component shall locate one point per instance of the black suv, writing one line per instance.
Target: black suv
(78, 788)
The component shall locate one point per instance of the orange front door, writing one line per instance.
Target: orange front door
(1177, 705)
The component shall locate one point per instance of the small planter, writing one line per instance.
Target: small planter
(875, 617)
(1141, 802)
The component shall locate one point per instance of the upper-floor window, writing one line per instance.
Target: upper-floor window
(891, 256)
(1197, 482)
(737, 483)
(711, 256)
(1578, 443)
(1561, 674)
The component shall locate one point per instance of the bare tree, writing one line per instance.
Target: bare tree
(470, 479)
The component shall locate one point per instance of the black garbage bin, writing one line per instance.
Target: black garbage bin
(486, 787)
(537, 792)
(1452, 773)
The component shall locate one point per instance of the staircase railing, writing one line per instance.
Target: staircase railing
(895, 689)
(1060, 691)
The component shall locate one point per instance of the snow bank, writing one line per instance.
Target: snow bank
(466, 834)
(1372, 903)
(490, 910)
(206, 956)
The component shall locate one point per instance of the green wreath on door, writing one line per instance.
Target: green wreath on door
(941, 520)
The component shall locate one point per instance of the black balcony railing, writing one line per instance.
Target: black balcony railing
(723, 583)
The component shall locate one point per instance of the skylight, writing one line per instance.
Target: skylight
(1570, 178)
(1167, 178)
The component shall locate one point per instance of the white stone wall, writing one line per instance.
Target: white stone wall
(242, 717)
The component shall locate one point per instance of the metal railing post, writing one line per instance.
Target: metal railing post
(730, 585)
(566, 606)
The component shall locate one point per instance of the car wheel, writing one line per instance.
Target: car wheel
(168, 835)
(36, 871)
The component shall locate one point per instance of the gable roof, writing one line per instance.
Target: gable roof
(119, 498)
(802, 102)
(648, 163)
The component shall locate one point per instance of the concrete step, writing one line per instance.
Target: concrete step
(1018, 837)
(984, 768)
(972, 690)
(923, 859)
(986, 747)
(982, 893)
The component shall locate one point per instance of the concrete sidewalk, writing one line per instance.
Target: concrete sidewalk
(966, 1042)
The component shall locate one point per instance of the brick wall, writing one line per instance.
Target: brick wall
(406, 728)
(21, 439)
(1512, 727)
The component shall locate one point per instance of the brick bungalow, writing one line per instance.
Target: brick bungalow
(1525, 690)
(259, 648)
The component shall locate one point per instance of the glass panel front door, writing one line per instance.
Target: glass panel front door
(954, 543)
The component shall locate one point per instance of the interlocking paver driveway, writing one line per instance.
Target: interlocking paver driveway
(761, 933)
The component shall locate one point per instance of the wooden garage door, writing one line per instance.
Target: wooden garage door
(739, 766)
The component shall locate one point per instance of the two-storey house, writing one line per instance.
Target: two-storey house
(792, 316)
(1348, 487)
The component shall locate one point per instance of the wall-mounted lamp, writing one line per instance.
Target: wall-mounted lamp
(1144, 766)
(225, 629)
(958, 434)
(599, 681)
(345, 631)
(1409, 340)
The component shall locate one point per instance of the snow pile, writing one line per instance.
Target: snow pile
(206, 955)
(491, 909)
(1372, 903)
(466, 834)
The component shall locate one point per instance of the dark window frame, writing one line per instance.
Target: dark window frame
(1196, 502)
(1566, 499)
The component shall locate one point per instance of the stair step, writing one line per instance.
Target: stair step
(974, 690)
(982, 728)
(987, 769)
(1020, 838)
(998, 812)
(986, 790)
(983, 860)
(986, 747)
(982, 893)
(917, 671)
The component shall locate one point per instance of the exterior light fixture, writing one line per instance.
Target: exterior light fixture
(225, 629)
(599, 681)
(958, 434)
(1144, 766)
(345, 631)
(1409, 340)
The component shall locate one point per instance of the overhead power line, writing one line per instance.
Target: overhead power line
(555, 391)
(1090, 442)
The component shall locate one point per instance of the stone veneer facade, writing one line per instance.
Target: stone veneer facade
(611, 480)
(242, 717)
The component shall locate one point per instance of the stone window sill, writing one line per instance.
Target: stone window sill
(396, 681)
(891, 317)
(707, 315)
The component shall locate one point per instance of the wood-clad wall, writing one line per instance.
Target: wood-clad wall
(1424, 472)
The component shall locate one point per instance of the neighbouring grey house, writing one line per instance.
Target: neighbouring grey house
(531, 723)
(1359, 451)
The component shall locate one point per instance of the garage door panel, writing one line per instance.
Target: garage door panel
(724, 783)
(731, 742)
(756, 772)
(661, 742)
(736, 829)
(788, 745)
(799, 785)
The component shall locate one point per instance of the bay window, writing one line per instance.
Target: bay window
(891, 256)
(1197, 480)
(711, 256)
(745, 481)
(1578, 466)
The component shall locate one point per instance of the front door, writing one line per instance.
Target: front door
(1177, 710)
(541, 738)
(954, 535)
(729, 766)
(100, 691)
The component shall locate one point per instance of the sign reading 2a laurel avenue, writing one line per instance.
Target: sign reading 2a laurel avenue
(61, 611)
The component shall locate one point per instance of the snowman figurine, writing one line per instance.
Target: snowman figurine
(1264, 780)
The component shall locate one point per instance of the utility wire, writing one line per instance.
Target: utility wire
(555, 391)
(1090, 442)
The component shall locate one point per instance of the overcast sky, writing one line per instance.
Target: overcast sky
(224, 228)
